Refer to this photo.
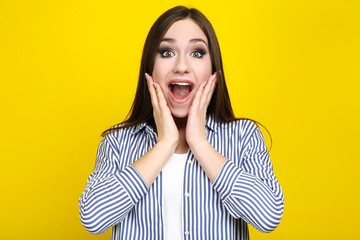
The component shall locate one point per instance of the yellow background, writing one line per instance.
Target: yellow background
(68, 71)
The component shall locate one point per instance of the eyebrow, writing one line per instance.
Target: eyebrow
(193, 40)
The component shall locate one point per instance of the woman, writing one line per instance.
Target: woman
(182, 166)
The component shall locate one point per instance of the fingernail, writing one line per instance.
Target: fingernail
(147, 76)
(155, 84)
(213, 77)
(204, 83)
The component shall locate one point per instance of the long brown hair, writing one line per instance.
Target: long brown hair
(141, 110)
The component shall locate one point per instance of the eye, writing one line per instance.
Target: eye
(166, 53)
(198, 53)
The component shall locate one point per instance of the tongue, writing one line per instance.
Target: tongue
(181, 92)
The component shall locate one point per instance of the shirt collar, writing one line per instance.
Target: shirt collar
(210, 123)
(141, 126)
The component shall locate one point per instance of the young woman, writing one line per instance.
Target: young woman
(182, 166)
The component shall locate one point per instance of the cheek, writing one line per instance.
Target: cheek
(156, 70)
(203, 71)
(159, 71)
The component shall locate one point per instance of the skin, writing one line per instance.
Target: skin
(181, 126)
(183, 55)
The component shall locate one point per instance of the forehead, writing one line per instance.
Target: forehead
(185, 29)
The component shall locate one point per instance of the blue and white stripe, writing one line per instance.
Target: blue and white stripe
(246, 190)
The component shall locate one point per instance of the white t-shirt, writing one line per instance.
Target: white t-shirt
(173, 180)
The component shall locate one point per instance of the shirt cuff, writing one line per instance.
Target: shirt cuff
(133, 183)
(225, 182)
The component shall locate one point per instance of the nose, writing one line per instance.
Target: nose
(181, 65)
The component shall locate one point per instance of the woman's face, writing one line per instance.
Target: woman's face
(181, 65)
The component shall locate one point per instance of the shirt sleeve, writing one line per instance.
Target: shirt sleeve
(110, 193)
(252, 192)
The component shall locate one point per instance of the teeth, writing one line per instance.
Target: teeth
(181, 84)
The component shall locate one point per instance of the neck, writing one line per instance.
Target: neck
(183, 146)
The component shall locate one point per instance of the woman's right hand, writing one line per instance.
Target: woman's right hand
(150, 164)
(165, 126)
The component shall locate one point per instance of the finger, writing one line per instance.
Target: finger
(213, 86)
(151, 87)
(208, 90)
(160, 96)
(198, 100)
(198, 94)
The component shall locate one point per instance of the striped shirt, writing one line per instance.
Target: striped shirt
(246, 190)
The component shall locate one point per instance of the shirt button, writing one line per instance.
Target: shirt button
(189, 161)
(187, 194)
(187, 233)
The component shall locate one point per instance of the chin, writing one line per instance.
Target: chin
(180, 113)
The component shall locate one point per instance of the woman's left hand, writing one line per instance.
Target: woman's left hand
(195, 128)
(210, 160)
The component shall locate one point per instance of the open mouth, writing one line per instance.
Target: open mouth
(180, 90)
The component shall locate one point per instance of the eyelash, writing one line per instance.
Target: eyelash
(200, 51)
(164, 51)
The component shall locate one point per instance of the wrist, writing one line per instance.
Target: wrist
(167, 145)
(197, 145)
